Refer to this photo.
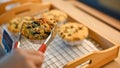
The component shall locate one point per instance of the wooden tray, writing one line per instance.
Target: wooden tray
(96, 58)
(97, 14)
(4, 5)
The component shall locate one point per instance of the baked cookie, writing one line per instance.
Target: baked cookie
(58, 15)
(73, 31)
(36, 30)
(15, 24)
(51, 21)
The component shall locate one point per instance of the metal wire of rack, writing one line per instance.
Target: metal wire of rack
(59, 53)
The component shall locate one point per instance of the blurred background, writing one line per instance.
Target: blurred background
(110, 7)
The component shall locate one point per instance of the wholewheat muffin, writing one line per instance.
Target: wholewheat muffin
(36, 30)
(73, 32)
(56, 15)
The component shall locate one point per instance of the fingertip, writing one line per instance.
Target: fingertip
(41, 53)
(17, 50)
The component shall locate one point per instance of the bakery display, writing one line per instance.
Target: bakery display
(73, 31)
(36, 30)
(55, 15)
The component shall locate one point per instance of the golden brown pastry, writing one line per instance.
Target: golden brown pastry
(54, 16)
(15, 24)
(36, 30)
(73, 31)
(51, 21)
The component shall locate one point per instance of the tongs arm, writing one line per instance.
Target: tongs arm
(17, 43)
(48, 40)
(42, 48)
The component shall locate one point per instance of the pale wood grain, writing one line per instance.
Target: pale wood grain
(8, 3)
(23, 10)
(99, 15)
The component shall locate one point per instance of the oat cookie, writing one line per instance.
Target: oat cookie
(73, 31)
(36, 30)
(58, 15)
(15, 24)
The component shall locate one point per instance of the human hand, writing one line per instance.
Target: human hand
(19, 58)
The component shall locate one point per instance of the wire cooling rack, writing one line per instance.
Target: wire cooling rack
(59, 53)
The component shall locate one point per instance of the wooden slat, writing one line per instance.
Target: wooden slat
(96, 58)
(5, 4)
(24, 1)
(23, 10)
(99, 15)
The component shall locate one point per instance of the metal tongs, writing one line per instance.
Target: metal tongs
(49, 39)
(43, 46)
(17, 43)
